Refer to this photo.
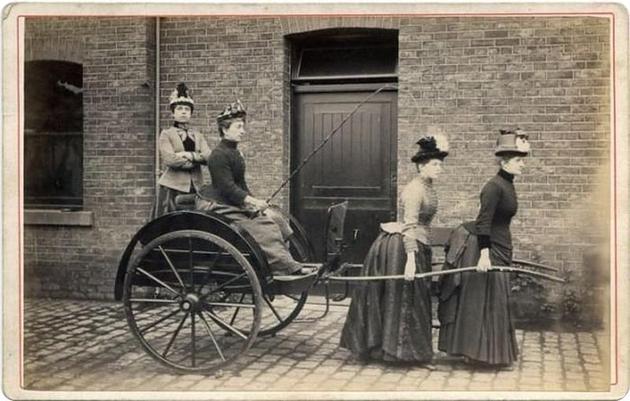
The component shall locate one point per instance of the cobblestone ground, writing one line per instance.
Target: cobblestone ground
(87, 345)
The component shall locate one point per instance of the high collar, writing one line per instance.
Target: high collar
(183, 126)
(505, 175)
(229, 144)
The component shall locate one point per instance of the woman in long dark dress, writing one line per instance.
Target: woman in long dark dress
(390, 320)
(474, 311)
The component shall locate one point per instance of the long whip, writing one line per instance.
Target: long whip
(321, 145)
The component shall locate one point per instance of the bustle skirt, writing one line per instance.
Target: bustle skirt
(474, 310)
(390, 320)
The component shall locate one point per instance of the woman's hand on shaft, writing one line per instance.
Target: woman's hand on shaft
(410, 266)
(257, 204)
(484, 261)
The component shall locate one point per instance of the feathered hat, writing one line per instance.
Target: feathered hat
(180, 96)
(431, 147)
(512, 142)
(233, 110)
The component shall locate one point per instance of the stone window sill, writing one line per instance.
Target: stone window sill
(44, 217)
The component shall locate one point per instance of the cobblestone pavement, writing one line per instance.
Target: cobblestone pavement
(87, 345)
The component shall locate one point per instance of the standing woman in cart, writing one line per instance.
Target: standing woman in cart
(390, 320)
(182, 150)
(474, 310)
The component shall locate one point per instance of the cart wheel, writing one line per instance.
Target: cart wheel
(180, 294)
(279, 310)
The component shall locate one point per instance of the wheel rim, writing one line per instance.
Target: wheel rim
(180, 293)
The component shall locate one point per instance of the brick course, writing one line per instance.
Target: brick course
(466, 76)
(118, 143)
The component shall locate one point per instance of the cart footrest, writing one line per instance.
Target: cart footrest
(295, 277)
(297, 283)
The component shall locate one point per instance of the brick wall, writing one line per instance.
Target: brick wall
(222, 59)
(467, 77)
(118, 153)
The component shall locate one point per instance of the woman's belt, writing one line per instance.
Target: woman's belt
(419, 233)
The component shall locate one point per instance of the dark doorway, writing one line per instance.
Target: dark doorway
(334, 73)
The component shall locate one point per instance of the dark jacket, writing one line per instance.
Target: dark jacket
(227, 170)
(498, 206)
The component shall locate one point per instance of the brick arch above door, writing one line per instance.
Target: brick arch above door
(305, 24)
(54, 48)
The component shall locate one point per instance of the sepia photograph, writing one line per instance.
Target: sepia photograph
(315, 201)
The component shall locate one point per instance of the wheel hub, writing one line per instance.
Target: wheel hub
(190, 303)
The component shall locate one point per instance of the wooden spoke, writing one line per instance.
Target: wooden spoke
(154, 300)
(174, 336)
(192, 340)
(214, 340)
(170, 264)
(219, 288)
(157, 280)
(190, 264)
(237, 310)
(275, 312)
(225, 325)
(231, 304)
(152, 325)
(205, 278)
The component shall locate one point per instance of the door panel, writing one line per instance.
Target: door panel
(357, 164)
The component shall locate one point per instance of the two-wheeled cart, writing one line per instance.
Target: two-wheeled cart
(197, 289)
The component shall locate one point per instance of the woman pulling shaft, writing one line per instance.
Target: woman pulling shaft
(390, 320)
(474, 311)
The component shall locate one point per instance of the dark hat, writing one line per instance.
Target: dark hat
(233, 110)
(180, 96)
(431, 147)
(512, 142)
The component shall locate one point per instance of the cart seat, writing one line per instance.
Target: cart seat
(185, 202)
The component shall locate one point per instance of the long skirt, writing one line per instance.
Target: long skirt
(474, 311)
(390, 320)
(269, 230)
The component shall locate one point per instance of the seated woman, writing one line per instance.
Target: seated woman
(229, 195)
(182, 150)
(390, 320)
(474, 311)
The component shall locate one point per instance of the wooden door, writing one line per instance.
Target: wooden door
(358, 164)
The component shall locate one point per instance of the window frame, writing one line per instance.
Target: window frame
(65, 201)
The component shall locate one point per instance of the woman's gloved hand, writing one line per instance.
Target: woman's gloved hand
(410, 266)
(484, 261)
(256, 204)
